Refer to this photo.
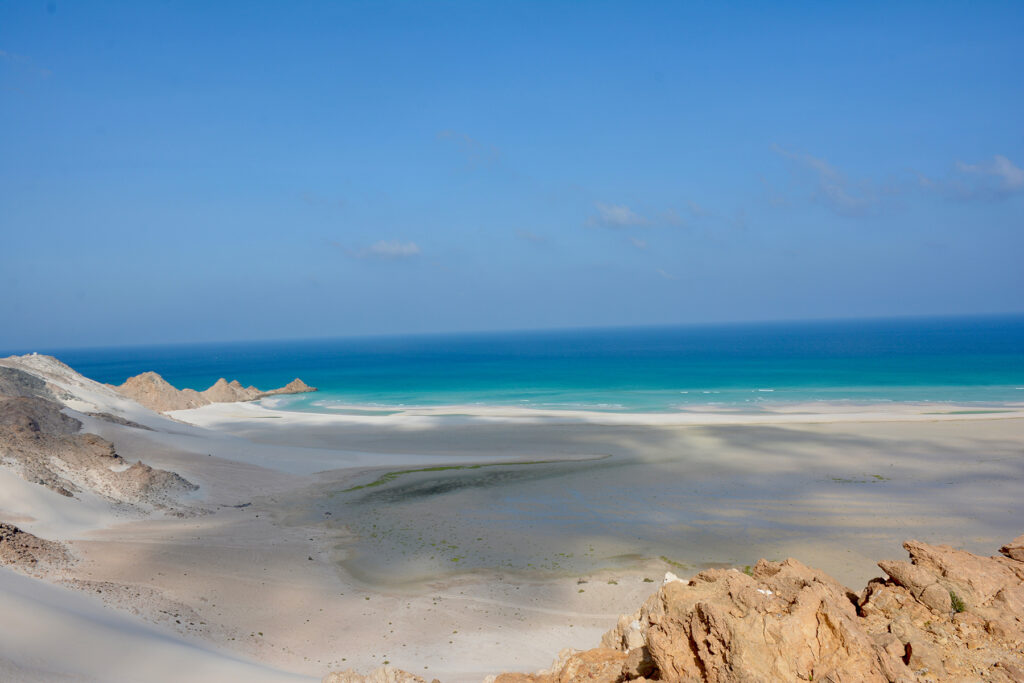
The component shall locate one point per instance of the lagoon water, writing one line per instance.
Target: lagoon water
(976, 359)
(613, 497)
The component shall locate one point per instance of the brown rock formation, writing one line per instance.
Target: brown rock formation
(947, 615)
(786, 622)
(44, 446)
(384, 674)
(224, 391)
(156, 393)
(296, 386)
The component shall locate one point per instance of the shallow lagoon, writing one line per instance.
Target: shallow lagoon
(677, 499)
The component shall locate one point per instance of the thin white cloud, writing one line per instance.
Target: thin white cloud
(476, 153)
(533, 237)
(392, 249)
(696, 210)
(831, 187)
(1009, 176)
(382, 250)
(24, 62)
(667, 276)
(671, 217)
(991, 180)
(615, 216)
(638, 243)
(314, 199)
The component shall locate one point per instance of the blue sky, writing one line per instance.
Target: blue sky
(216, 171)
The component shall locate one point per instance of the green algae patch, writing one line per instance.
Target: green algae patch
(389, 477)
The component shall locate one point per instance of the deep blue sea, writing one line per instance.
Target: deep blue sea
(973, 360)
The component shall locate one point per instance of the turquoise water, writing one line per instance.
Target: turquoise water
(970, 360)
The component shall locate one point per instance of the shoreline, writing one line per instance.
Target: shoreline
(267, 578)
(818, 412)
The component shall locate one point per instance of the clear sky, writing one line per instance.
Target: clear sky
(193, 171)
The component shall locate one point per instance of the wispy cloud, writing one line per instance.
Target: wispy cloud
(772, 195)
(696, 210)
(476, 153)
(24, 62)
(313, 199)
(983, 181)
(664, 274)
(532, 237)
(392, 249)
(387, 250)
(615, 216)
(671, 217)
(638, 243)
(831, 187)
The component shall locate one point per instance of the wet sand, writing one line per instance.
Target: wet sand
(310, 557)
(839, 496)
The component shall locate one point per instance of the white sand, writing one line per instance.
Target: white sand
(247, 593)
(53, 633)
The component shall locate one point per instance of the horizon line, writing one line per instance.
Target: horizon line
(51, 350)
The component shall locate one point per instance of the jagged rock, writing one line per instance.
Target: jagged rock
(1014, 549)
(384, 674)
(788, 622)
(156, 393)
(601, 665)
(921, 583)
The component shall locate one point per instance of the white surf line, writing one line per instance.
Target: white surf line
(227, 415)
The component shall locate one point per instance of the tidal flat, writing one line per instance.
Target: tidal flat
(589, 498)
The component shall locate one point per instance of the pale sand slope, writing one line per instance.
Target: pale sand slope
(270, 582)
(56, 634)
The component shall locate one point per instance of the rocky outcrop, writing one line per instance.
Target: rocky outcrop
(43, 445)
(296, 386)
(28, 553)
(15, 382)
(946, 615)
(156, 393)
(384, 674)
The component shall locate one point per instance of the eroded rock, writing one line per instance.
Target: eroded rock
(788, 622)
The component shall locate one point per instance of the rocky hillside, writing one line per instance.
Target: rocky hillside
(947, 615)
(156, 393)
(28, 553)
(43, 444)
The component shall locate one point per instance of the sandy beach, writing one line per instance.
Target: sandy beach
(459, 543)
